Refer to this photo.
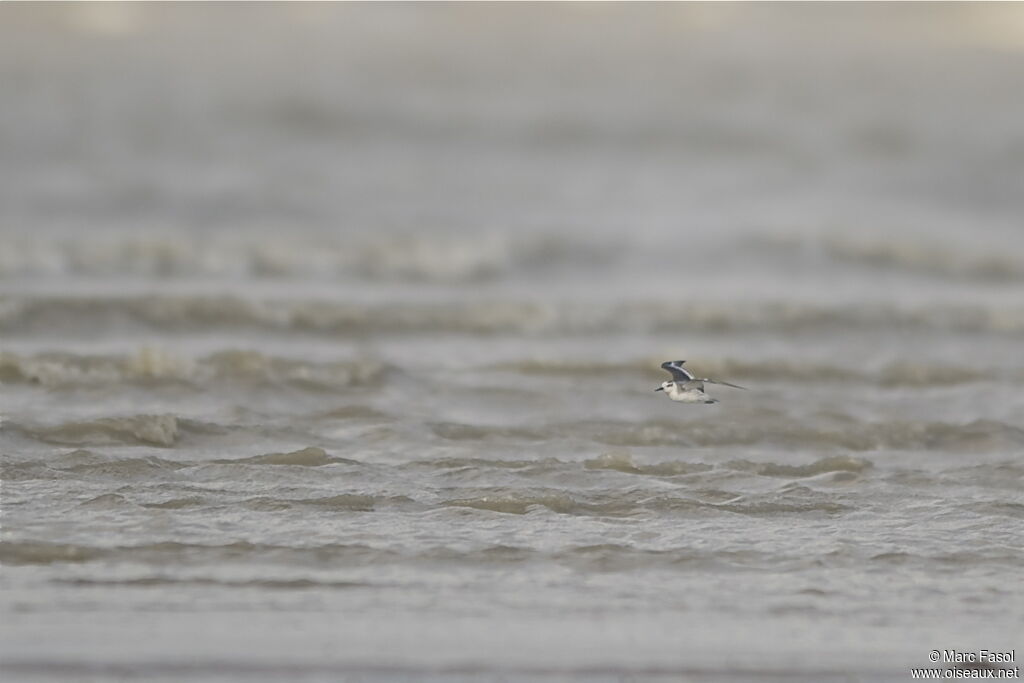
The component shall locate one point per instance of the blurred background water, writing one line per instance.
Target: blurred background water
(328, 335)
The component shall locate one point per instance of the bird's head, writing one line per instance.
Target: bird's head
(664, 386)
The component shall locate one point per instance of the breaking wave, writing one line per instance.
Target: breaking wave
(979, 435)
(946, 261)
(395, 258)
(145, 430)
(604, 557)
(150, 365)
(306, 457)
(624, 462)
(83, 462)
(607, 556)
(773, 432)
(526, 501)
(190, 313)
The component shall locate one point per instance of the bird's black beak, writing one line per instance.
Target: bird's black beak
(660, 389)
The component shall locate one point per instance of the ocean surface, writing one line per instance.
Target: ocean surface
(329, 335)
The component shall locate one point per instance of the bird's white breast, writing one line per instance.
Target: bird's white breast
(686, 396)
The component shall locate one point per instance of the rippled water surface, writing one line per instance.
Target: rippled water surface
(328, 341)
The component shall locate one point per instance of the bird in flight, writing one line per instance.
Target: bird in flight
(685, 387)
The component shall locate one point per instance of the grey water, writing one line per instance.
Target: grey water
(329, 336)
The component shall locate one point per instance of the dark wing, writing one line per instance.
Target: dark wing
(679, 373)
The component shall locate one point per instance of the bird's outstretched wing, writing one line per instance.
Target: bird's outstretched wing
(718, 381)
(679, 373)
